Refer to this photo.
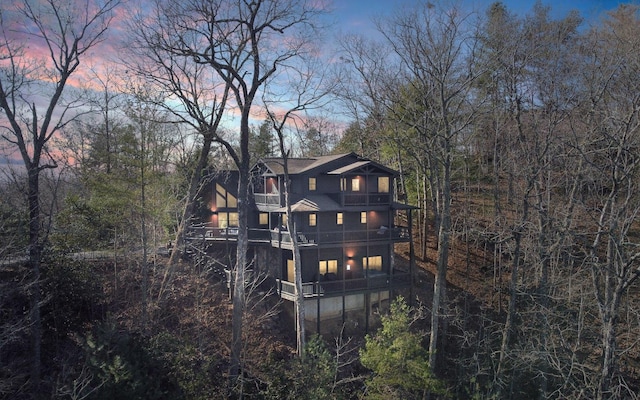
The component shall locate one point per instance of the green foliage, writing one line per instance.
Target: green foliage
(309, 378)
(193, 370)
(13, 226)
(262, 142)
(74, 296)
(124, 366)
(90, 222)
(397, 359)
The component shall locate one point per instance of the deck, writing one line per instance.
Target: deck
(282, 239)
(375, 282)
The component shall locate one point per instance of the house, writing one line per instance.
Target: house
(347, 222)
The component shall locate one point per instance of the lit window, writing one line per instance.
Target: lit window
(284, 219)
(225, 199)
(363, 217)
(226, 220)
(232, 202)
(383, 184)
(223, 220)
(313, 219)
(339, 218)
(328, 266)
(291, 271)
(221, 196)
(264, 219)
(355, 184)
(373, 263)
(234, 220)
(312, 184)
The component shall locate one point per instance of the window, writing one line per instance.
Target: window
(312, 184)
(313, 219)
(221, 196)
(284, 219)
(343, 184)
(226, 219)
(264, 219)
(355, 184)
(225, 199)
(373, 263)
(290, 271)
(339, 217)
(383, 184)
(234, 220)
(328, 267)
(363, 217)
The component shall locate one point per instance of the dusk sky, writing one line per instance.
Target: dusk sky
(348, 16)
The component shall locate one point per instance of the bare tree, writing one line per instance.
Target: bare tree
(243, 44)
(65, 32)
(610, 151)
(307, 91)
(202, 95)
(436, 47)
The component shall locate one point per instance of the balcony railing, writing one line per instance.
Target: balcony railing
(208, 232)
(343, 198)
(282, 239)
(383, 233)
(376, 281)
(270, 199)
(365, 199)
(279, 238)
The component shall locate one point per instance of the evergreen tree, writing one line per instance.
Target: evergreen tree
(397, 359)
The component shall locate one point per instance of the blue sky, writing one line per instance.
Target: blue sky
(356, 15)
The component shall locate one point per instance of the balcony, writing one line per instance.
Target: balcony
(375, 282)
(362, 199)
(208, 232)
(382, 234)
(271, 199)
(282, 239)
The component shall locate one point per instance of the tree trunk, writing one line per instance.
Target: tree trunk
(35, 258)
(239, 296)
(513, 294)
(188, 210)
(608, 355)
(440, 284)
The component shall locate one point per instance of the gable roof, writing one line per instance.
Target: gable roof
(302, 165)
(299, 165)
(362, 166)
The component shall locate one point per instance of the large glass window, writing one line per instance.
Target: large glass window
(383, 184)
(227, 219)
(328, 266)
(373, 263)
(225, 199)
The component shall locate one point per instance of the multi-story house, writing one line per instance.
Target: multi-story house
(347, 222)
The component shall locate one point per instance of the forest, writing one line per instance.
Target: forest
(517, 136)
